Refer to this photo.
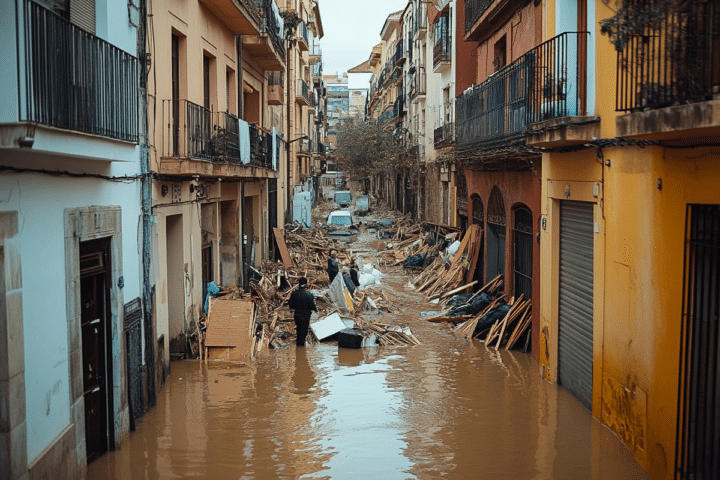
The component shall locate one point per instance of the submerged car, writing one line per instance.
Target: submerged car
(343, 198)
(340, 218)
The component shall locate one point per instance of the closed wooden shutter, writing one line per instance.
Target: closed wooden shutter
(575, 335)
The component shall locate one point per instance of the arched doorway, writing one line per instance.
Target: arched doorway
(462, 201)
(495, 235)
(522, 252)
(478, 218)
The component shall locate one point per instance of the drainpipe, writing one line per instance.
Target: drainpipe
(288, 205)
(147, 217)
(241, 203)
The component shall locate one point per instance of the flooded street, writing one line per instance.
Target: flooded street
(447, 408)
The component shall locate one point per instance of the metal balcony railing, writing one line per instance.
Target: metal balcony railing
(557, 87)
(273, 25)
(302, 90)
(442, 48)
(196, 133)
(494, 113)
(420, 16)
(673, 62)
(73, 80)
(419, 82)
(444, 132)
(545, 83)
(399, 52)
(303, 32)
(474, 10)
(276, 78)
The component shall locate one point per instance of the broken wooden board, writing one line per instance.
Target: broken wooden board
(230, 329)
(282, 247)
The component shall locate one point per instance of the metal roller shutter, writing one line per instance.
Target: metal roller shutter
(575, 335)
(82, 14)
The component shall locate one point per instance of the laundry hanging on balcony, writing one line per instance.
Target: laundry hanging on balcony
(244, 141)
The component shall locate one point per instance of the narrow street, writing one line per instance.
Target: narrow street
(446, 408)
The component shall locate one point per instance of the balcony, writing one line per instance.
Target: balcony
(399, 57)
(302, 93)
(420, 20)
(444, 133)
(315, 55)
(493, 114)
(276, 90)
(418, 84)
(668, 76)
(557, 94)
(72, 80)
(241, 17)
(197, 141)
(442, 49)
(267, 48)
(474, 9)
(303, 37)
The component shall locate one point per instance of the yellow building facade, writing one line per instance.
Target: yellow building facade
(629, 235)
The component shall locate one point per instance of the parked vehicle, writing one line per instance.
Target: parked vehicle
(340, 218)
(343, 198)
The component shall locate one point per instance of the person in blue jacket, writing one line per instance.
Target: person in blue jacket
(302, 303)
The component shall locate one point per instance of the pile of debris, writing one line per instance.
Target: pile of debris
(262, 316)
(488, 316)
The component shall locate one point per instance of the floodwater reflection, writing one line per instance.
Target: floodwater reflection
(447, 408)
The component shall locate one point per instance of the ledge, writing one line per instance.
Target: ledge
(562, 131)
(695, 119)
(183, 167)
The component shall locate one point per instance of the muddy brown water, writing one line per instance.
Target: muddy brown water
(447, 408)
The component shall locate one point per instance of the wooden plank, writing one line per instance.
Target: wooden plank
(231, 324)
(282, 247)
(459, 289)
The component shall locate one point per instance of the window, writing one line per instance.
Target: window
(500, 53)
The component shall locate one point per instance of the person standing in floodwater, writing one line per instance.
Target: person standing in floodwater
(333, 267)
(302, 303)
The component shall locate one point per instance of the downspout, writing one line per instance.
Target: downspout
(147, 217)
(288, 205)
(241, 203)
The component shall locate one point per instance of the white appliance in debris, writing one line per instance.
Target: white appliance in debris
(302, 208)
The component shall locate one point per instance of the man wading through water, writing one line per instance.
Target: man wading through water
(302, 303)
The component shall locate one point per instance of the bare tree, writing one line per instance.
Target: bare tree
(368, 149)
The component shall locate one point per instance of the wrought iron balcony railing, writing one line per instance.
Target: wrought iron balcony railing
(420, 17)
(557, 87)
(399, 52)
(494, 112)
(74, 80)
(193, 132)
(442, 49)
(276, 78)
(273, 25)
(547, 82)
(474, 10)
(444, 132)
(673, 62)
(419, 83)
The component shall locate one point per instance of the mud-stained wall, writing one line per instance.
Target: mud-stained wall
(435, 195)
(517, 188)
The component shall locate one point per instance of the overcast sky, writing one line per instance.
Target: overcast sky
(352, 28)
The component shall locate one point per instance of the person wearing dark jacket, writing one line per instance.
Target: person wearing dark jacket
(302, 303)
(354, 272)
(333, 267)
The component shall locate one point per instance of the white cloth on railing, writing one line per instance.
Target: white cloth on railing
(275, 141)
(244, 141)
(278, 19)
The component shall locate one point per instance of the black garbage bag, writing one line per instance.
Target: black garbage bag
(497, 313)
(458, 300)
(349, 283)
(477, 305)
(415, 261)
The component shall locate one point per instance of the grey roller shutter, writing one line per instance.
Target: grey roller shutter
(575, 322)
(82, 14)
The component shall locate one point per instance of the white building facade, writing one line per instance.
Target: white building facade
(71, 236)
